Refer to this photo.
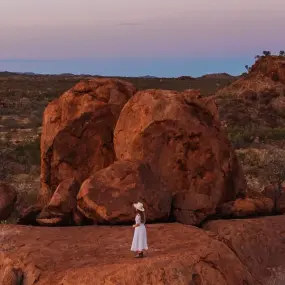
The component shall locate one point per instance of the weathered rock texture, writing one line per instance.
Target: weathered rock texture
(77, 134)
(108, 196)
(256, 100)
(277, 196)
(181, 138)
(28, 216)
(62, 206)
(178, 255)
(11, 276)
(8, 198)
(254, 204)
(258, 243)
(252, 110)
(271, 66)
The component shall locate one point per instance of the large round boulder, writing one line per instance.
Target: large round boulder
(8, 198)
(180, 137)
(77, 134)
(108, 196)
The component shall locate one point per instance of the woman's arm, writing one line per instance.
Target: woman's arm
(138, 222)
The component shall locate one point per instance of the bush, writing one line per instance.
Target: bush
(242, 137)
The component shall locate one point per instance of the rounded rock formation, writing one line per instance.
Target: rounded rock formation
(271, 66)
(180, 137)
(12, 276)
(77, 134)
(8, 197)
(62, 206)
(108, 196)
(277, 196)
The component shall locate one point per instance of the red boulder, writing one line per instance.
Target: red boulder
(62, 206)
(181, 138)
(8, 198)
(108, 196)
(77, 134)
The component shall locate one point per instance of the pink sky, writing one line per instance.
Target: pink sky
(56, 29)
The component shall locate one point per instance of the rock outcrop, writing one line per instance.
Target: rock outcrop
(62, 206)
(257, 98)
(8, 198)
(12, 276)
(180, 137)
(107, 197)
(258, 243)
(178, 255)
(271, 66)
(277, 196)
(77, 134)
(252, 111)
(229, 252)
(253, 204)
(28, 216)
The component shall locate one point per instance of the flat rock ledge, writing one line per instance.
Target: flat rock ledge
(230, 252)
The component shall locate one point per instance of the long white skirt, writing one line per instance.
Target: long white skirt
(140, 239)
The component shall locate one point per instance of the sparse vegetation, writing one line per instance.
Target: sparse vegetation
(23, 99)
(243, 137)
(251, 122)
(266, 52)
(263, 166)
(274, 165)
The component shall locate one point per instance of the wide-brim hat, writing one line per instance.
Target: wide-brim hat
(139, 206)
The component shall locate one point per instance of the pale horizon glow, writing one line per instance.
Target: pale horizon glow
(139, 30)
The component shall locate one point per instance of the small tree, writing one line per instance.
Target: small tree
(281, 53)
(266, 53)
(257, 56)
(247, 68)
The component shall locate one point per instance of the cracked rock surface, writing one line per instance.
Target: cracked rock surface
(180, 136)
(259, 244)
(107, 196)
(234, 252)
(178, 255)
(77, 134)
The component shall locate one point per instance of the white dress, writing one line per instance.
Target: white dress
(140, 238)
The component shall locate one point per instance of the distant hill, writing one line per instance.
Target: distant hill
(186, 78)
(27, 73)
(149, 76)
(218, 75)
(7, 73)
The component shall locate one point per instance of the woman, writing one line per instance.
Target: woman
(139, 243)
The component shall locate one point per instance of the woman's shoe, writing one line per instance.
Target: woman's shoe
(139, 255)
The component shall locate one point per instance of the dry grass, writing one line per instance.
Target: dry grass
(263, 165)
(22, 102)
(250, 123)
